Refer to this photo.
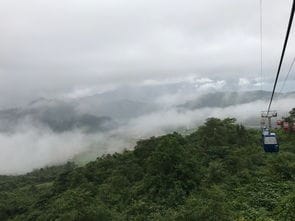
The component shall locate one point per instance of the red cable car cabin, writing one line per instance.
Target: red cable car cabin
(286, 126)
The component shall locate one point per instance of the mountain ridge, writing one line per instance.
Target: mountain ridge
(218, 172)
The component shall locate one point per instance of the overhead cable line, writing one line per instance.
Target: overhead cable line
(283, 54)
(286, 78)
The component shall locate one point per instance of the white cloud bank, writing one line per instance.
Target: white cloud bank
(34, 148)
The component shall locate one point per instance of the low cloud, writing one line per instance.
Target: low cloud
(54, 47)
(163, 121)
(24, 151)
(29, 147)
(81, 92)
(212, 85)
(243, 82)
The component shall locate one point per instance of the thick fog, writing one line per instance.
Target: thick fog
(48, 132)
(57, 47)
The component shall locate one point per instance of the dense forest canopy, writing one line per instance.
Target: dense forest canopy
(219, 172)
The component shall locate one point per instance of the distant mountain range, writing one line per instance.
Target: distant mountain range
(225, 99)
(57, 116)
(103, 112)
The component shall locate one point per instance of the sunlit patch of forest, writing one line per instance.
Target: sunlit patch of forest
(219, 172)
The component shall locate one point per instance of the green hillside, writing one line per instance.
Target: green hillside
(219, 172)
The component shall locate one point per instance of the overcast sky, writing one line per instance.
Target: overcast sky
(52, 47)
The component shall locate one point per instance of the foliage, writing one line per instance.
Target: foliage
(219, 172)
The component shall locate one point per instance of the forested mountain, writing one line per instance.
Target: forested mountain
(55, 115)
(226, 99)
(219, 172)
(113, 111)
(103, 112)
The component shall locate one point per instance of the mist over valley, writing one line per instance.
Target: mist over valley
(53, 131)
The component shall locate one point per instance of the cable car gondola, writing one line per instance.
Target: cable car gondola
(269, 139)
(270, 142)
(279, 123)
